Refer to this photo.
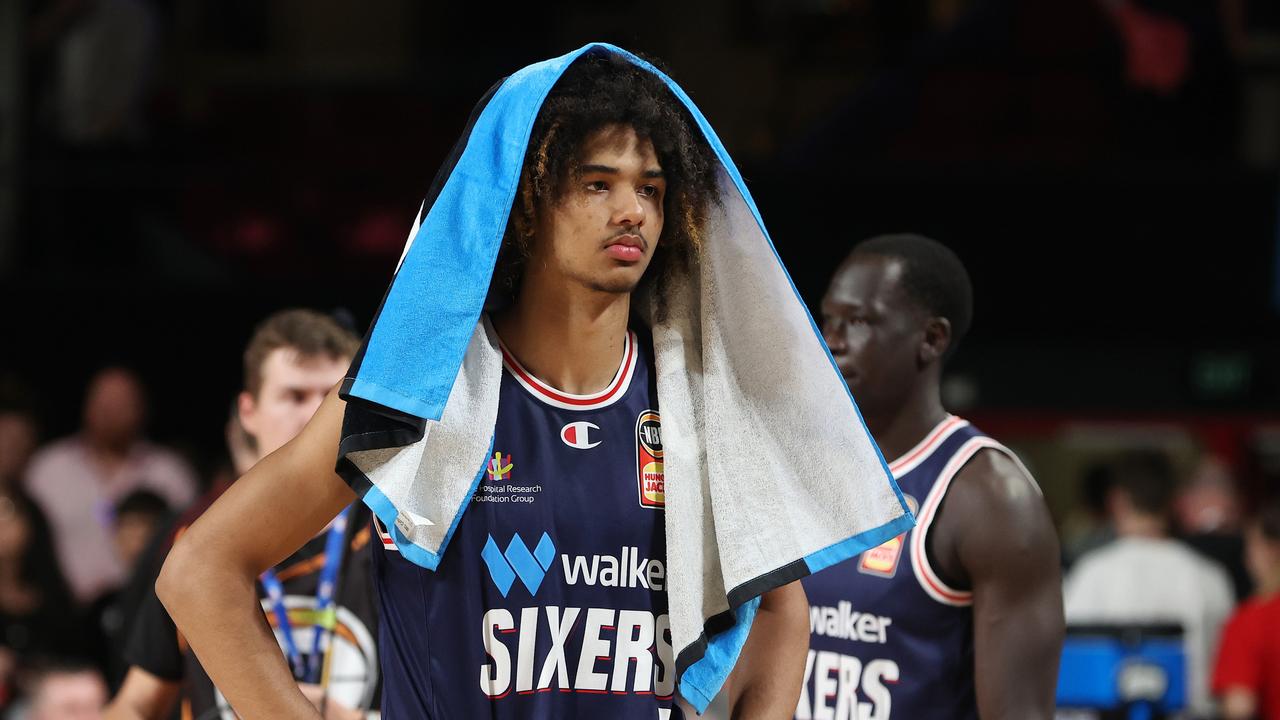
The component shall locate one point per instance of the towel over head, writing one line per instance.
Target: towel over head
(770, 471)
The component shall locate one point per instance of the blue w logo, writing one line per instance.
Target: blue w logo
(517, 561)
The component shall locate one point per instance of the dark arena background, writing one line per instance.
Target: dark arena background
(172, 171)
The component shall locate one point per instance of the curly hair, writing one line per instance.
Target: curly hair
(598, 90)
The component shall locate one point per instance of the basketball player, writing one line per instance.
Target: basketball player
(960, 617)
(293, 359)
(615, 185)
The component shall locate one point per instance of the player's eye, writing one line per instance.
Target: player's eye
(649, 191)
(597, 186)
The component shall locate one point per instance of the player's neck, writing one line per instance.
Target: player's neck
(898, 431)
(568, 337)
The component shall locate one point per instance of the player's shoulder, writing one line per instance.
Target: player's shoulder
(994, 478)
(994, 511)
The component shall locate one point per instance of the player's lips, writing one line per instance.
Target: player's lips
(627, 248)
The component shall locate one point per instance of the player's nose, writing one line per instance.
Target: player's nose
(628, 210)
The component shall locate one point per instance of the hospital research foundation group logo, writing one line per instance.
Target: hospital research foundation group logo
(499, 467)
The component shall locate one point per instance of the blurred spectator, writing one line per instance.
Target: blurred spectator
(17, 443)
(1086, 528)
(1246, 677)
(35, 606)
(1207, 509)
(101, 53)
(68, 690)
(137, 518)
(78, 480)
(1145, 576)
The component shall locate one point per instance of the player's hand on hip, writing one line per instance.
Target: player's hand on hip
(333, 710)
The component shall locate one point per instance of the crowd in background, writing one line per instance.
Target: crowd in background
(176, 144)
(79, 516)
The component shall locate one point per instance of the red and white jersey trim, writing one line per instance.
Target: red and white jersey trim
(912, 458)
(616, 389)
(388, 543)
(929, 581)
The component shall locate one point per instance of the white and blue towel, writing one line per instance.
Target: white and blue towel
(770, 472)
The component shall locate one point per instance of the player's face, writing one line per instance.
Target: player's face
(293, 387)
(875, 332)
(603, 231)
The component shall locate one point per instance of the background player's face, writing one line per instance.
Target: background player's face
(875, 331)
(293, 386)
(603, 231)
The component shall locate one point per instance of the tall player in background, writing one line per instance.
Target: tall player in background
(961, 617)
(294, 358)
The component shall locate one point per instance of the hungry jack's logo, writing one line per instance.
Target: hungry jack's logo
(500, 466)
(882, 560)
(649, 474)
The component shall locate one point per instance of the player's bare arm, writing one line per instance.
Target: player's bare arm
(994, 535)
(274, 509)
(767, 679)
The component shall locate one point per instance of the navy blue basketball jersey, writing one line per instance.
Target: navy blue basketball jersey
(889, 639)
(549, 601)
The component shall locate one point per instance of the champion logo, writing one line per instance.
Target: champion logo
(519, 562)
(581, 435)
(499, 467)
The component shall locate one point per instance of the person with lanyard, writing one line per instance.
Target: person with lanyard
(318, 600)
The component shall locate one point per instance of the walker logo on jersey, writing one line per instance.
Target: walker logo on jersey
(581, 435)
(499, 467)
(882, 561)
(649, 476)
(626, 570)
(518, 562)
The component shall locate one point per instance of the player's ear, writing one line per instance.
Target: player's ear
(937, 338)
(247, 409)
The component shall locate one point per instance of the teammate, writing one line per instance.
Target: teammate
(962, 616)
(293, 359)
(615, 187)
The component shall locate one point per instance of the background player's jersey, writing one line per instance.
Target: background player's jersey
(888, 638)
(550, 599)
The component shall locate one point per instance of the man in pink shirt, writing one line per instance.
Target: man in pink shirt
(77, 481)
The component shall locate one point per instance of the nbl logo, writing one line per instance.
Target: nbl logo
(519, 562)
(649, 472)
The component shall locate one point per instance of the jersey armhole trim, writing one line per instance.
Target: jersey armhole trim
(928, 578)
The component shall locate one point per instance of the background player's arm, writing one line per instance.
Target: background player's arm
(143, 696)
(994, 534)
(766, 681)
(208, 581)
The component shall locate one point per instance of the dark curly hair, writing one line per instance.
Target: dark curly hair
(601, 89)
